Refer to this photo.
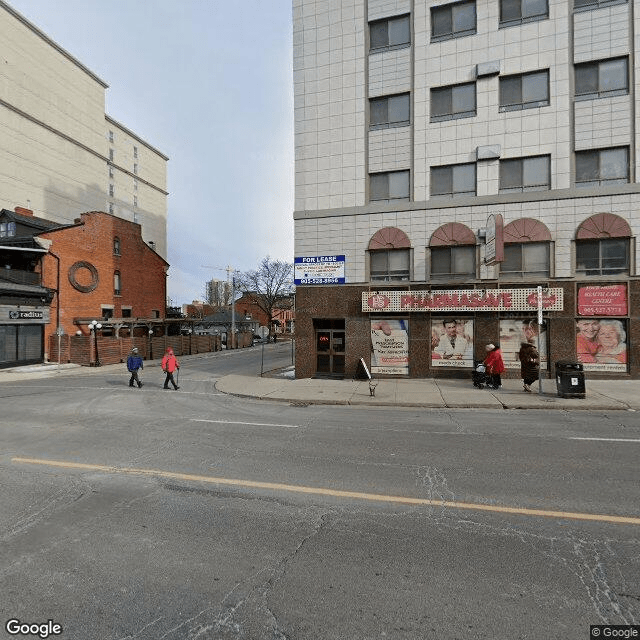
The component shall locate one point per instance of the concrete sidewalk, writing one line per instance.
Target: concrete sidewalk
(429, 392)
(423, 392)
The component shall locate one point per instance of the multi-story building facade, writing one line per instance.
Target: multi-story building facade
(451, 158)
(60, 155)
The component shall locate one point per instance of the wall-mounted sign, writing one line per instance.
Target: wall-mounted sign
(26, 315)
(494, 249)
(462, 300)
(10, 314)
(607, 300)
(319, 270)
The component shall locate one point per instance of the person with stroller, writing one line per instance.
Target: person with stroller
(529, 365)
(494, 366)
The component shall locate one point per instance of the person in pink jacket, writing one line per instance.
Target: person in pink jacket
(169, 365)
(495, 366)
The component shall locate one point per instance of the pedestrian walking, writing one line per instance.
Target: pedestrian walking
(134, 363)
(495, 366)
(529, 365)
(169, 366)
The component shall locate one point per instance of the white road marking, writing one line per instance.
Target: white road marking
(637, 440)
(249, 424)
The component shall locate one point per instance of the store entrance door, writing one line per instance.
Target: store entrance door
(330, 348)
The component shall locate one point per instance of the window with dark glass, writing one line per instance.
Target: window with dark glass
(602, 257)
(524, 91)
(389, 264)
(602, 78)
(514, 12)
(454, 180)
(389, 111)
(453, 261)
(525, 174)
(116, 246)
(453, 20)
(457, 101)
(389, 33)
(598, 167)
(526, 260)
(391, 185)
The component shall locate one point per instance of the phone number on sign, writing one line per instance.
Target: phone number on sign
(320, 280)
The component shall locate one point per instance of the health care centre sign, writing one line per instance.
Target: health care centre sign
(461, 300)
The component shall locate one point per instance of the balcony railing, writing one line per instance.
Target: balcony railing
(20, 277)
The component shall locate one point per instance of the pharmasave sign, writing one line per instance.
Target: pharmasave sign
(461, 300)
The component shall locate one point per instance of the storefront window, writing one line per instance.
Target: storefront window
(513, 332)
(390, 346)
(452, 342)
(601, 344)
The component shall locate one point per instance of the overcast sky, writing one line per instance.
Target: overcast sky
(209, 84)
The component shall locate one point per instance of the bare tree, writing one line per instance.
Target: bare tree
(270, 285)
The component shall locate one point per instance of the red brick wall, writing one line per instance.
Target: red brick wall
(142, 271)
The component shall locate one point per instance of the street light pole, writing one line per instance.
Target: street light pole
(94, 326)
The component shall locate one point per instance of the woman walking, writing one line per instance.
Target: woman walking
(529, 365)
(169, 365)
(495, 366)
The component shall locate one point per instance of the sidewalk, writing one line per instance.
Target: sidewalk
(415, 392)
(429, 392)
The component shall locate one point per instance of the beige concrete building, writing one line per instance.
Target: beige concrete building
(423, 127)
(60, 155)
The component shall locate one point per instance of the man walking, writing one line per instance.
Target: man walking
(169, 365)
(134, 362)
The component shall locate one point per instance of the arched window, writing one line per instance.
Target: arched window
(389, 255)
(116, 246)
(602, 246)
(453, 252)
(117, 286)
(527, 250)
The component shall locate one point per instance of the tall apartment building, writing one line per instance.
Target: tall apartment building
(60, 155)
(451, 158)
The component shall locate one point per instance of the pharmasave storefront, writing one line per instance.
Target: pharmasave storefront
(423, 332)
(22, 334)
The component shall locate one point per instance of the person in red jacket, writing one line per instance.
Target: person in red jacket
(495, 366)
(169, 365)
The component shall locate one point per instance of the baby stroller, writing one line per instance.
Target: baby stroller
(480, 377)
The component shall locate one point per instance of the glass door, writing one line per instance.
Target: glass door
(330, 347)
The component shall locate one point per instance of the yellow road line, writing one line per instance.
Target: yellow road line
(356, 495)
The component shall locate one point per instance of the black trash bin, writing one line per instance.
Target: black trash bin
(570, 379)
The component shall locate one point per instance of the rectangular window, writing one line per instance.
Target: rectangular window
(453, 21)
(602, 257)
(135, 185)
(391, 33)
(135, 201)
(513, 12)
(449, 103)
(524, 91)
(454, 261)
(599, 167)
(393, 185)
(110, 136)
(525, 174)
(111, 155)
(389, 111)
(110, 172)
(392, 264)
(126, 313)
(135, 152)
(588, 5)
(526, 260)
(111, 190)
(111, 208)
(454, 180)
(602, 78)
(7, 229)
(135, 168)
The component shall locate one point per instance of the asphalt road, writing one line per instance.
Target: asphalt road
(154, 514)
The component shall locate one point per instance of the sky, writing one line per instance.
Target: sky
(209, 84)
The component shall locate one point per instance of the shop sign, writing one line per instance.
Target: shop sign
(462, 300)
(607, 300)
(319, 270)
(26, 315)
(11, 314)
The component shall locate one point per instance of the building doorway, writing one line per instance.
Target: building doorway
(330, 348)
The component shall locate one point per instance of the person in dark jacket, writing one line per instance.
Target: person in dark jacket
(529, 365)
(495, 366)
(134, 362)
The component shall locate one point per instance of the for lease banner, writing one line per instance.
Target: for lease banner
(462, 300)
(319, 270)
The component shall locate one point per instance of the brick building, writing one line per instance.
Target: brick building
(102, 269)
